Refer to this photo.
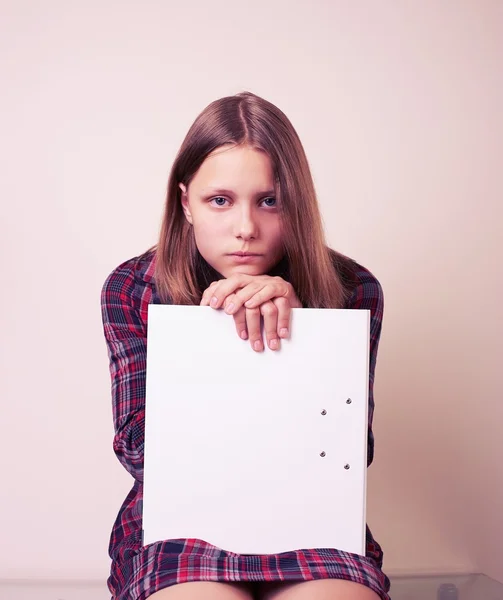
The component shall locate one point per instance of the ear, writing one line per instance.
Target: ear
(185, 203)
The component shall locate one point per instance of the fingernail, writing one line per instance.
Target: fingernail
(273, 344)
(257, 345)
(283, 332)
(214, 301)
(244, 334)
(248, 303)
(229, 308)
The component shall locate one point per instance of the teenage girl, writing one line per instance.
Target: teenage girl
(241, 232)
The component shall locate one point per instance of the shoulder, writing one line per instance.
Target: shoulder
(368, 292)
(363, 288)
(136, 271)
(128, 290)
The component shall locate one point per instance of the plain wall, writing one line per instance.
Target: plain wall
(399, 108)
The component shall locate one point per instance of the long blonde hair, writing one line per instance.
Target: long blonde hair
(248, 119)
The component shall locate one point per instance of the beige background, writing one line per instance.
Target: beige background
(399, 107)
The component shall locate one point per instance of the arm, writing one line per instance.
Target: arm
(368, 295)
(126, 339)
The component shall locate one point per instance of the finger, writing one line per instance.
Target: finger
(284, 316)
(240, 322)
(242, 295)
(274, 288)
(226, 287)
(228, 303)
(270, 313)
(253, 326)
(205, 299)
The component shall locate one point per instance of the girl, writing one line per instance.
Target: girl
(241, 232)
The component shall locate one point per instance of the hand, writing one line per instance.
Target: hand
(247, 297)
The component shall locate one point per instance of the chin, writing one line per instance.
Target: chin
(245, 270)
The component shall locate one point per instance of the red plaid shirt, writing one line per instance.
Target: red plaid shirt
(138, 571)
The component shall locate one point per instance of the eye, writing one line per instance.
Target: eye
(269, 202)
(219, 201)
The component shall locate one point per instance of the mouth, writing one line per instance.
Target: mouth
(245, 254)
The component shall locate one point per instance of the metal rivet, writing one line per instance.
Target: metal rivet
(346, 467)
(323, 412)
(322, 454)
(348, 401)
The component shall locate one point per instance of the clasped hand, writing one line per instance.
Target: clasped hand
(247, 298)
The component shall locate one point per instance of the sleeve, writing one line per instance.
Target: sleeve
(368, 295)
(126, 340)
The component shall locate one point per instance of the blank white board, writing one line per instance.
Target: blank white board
(256, 453)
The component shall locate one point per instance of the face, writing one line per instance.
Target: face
(232, 207)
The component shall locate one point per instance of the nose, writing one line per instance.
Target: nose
(246, 225)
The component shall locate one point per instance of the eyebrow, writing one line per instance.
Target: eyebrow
(226, 192)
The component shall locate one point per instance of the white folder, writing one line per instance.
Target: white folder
(256, 453)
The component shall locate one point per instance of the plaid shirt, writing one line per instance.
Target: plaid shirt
(138, 571)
